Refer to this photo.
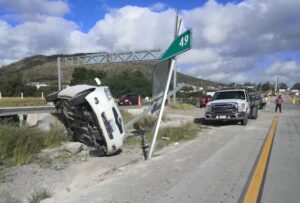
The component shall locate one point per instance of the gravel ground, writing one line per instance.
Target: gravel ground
(67, 173)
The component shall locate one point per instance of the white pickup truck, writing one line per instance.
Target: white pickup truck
(234, 105)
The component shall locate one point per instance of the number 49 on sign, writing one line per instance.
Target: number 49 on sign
(184, 40)
(181, 44)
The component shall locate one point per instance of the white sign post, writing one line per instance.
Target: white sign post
(181, 44)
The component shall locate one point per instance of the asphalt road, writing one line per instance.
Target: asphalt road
(215, 167)
(282, 183)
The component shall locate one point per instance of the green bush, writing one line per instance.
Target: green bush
(18, 145)
(146, 123)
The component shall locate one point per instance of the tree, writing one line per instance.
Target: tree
(296, 86)
(119, 82)
(282, 86)
(12, 86)
(259, 87)
(128, 81)
(267, 86)
(86, 76)
(249, 84)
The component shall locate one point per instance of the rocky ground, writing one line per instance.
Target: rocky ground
(71, 167)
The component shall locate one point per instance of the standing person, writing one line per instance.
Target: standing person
(278, 103)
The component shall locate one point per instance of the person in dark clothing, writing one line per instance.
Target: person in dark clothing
(278, 103)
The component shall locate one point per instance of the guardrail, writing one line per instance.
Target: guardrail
(6, 111)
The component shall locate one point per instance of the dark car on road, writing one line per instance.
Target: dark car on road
(129, 99)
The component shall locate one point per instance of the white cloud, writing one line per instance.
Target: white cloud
(47, 37)
(288, 67)
(131, 28)
(288, 72)
(199, 56)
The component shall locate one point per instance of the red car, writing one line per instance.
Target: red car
(205, 100)
(129, 99)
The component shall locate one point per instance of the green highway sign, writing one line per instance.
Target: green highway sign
(181, 44)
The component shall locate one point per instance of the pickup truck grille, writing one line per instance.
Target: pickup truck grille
(224, 108)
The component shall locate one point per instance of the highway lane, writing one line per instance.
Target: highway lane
(282, 183)
(215, 167)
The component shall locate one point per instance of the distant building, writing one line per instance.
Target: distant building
(295, 91)
(192, 88)
(37, 84)
(282, 90)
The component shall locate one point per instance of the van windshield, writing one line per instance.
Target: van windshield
(229, 95)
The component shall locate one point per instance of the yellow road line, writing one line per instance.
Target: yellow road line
(258, 175)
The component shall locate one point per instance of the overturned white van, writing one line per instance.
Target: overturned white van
(91, 116)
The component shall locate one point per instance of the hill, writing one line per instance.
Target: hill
(42, 68)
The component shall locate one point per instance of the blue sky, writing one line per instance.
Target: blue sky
(233, 41)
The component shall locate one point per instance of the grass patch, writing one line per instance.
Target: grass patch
(17, 101)
(18, 145)
(39, 195)
(169, 135)
(126, 116)
(146, 123)
(165, 118)
(181, 106)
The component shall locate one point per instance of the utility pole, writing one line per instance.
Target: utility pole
(276, 84)
(58, 73)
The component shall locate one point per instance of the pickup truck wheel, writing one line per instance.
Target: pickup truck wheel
(250, 116)
(244, 121)
(255, 113)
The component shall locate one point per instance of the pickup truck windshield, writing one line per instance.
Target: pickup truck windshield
(229, 95)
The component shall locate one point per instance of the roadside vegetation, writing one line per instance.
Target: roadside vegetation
(146, 123)
(126, 116)
(19, 145)
(181, 106)
(169, 135)
(17, 101)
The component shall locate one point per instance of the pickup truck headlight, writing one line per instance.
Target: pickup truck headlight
(107, 92)
(208, 108)
(241, 107)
